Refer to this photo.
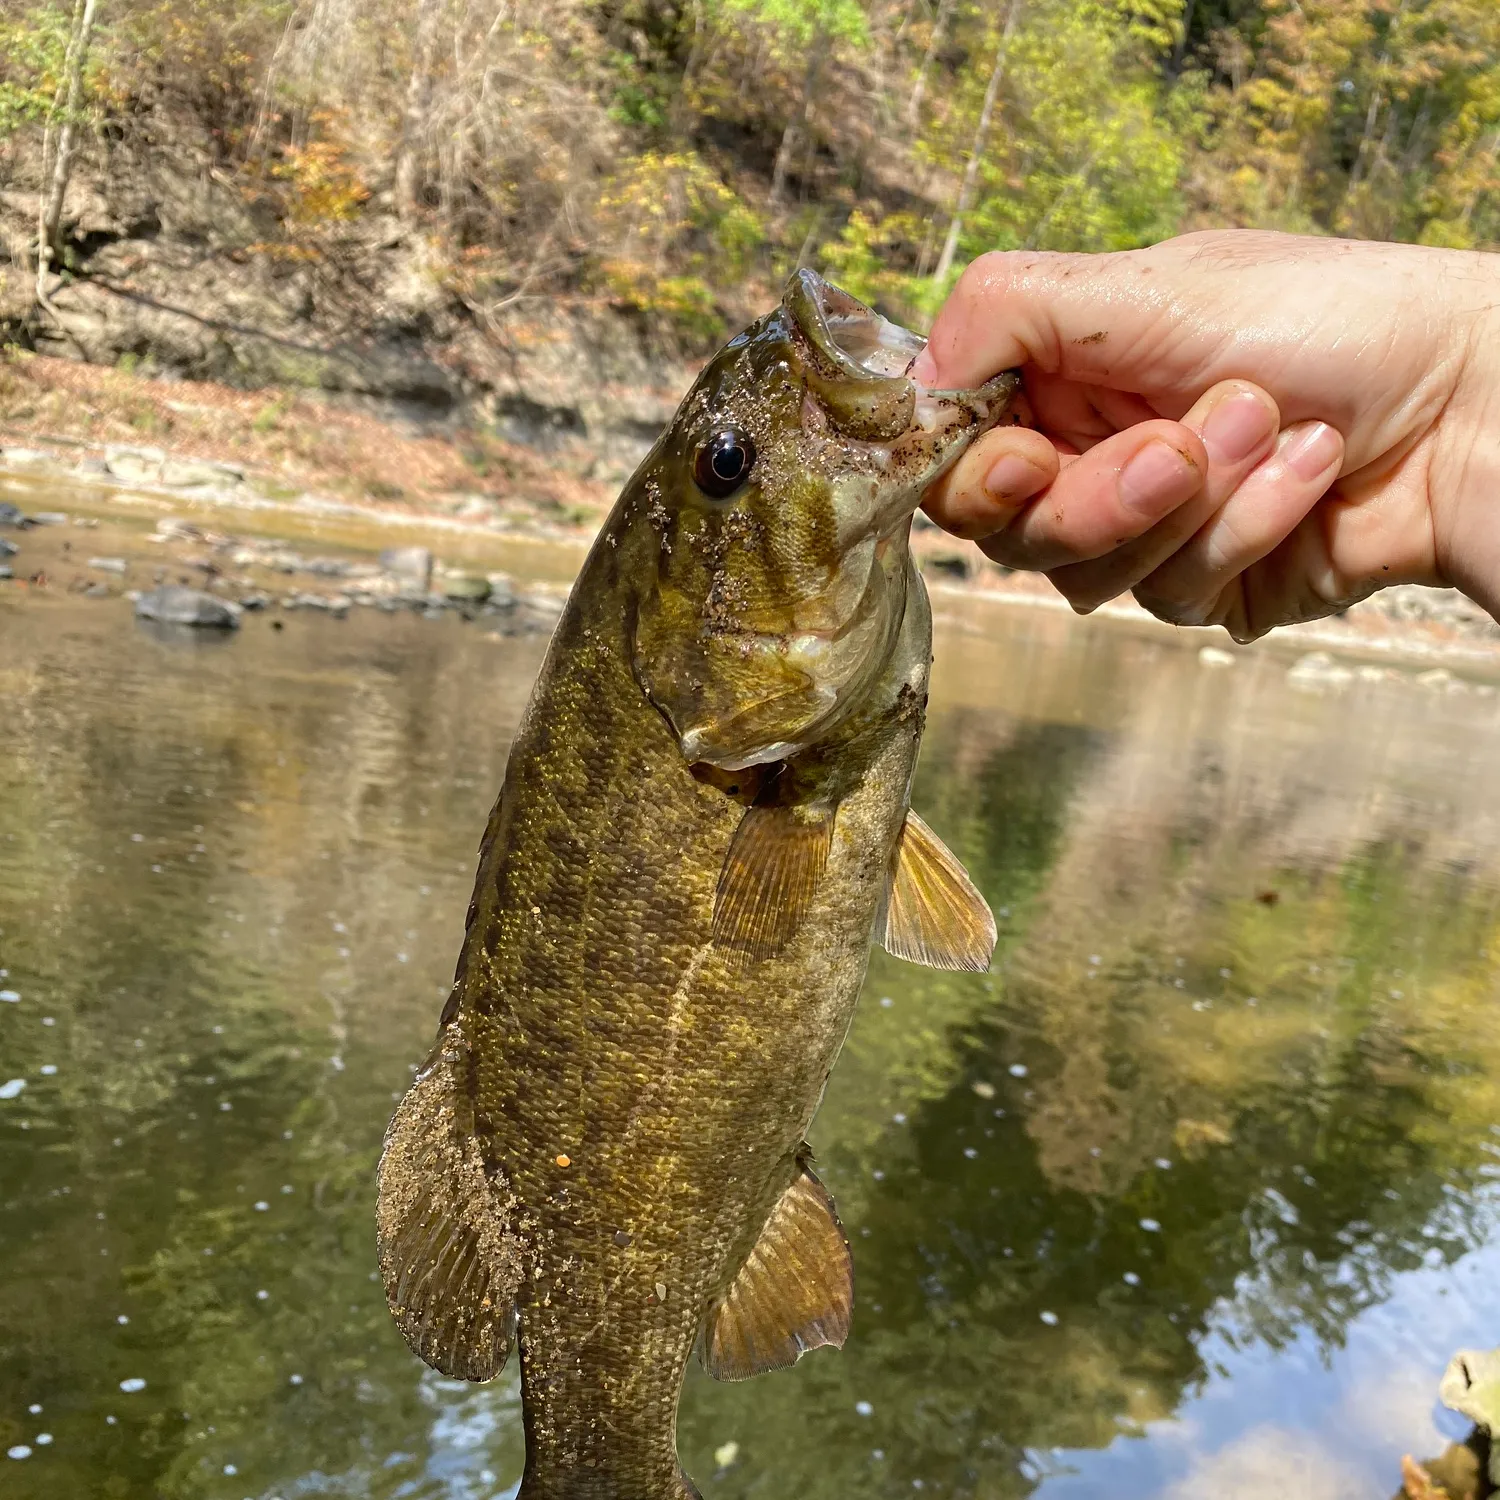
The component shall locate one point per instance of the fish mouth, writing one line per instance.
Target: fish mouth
(854, 338)
(896, 435)
(864, 346)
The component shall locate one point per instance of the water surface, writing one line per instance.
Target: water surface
(1194, 1194)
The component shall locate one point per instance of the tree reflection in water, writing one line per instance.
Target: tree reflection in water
(1180, 1122)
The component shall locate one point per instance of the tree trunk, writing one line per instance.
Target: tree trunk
(797, 125)
(408, 175)
(976, 149)
(55, 183)
(935, 41)
(1180, 50)
(681, 115)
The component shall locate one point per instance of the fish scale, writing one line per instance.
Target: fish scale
(604, 1159)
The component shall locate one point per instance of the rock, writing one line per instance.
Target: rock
(1471, 1387)
(6, 571)
(502, 592)
(92, 468)
(25, 458)
(1212, 656)
(413, 564)
(96, 591)
(8, 548)
(334, 604)
(466, 588)
(48, 518)
(181, 606)
(194, 473)
(544, 609)
(255, 601)
(328, 567)
(1317, 672)
(476, 508)
(135, 465)
(948, 564)
(174, 529)
(10, 515)
(108, 564)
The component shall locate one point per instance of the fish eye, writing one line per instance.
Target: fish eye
(723, 463)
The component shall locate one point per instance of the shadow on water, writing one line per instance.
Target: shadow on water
(1212, 1143)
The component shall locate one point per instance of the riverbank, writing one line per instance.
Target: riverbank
(288, 499)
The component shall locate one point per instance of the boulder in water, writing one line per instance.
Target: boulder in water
(182, 606)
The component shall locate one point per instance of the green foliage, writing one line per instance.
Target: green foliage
(33, 46)
(804, 22)
(681, 155)
(678, 233)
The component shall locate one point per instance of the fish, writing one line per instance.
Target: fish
(704, 825)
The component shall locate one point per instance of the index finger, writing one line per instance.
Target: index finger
(1092, 318)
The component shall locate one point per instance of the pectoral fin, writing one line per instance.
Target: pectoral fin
(770, 875)
(448, 1253)
(933, 914)
(795, 1292)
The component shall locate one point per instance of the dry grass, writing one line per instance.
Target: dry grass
(287, 440)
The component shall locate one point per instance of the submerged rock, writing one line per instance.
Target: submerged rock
(466, 588)
(182, 606)
(107, 564)
(411, 563)
(11, 515)
(1318, 672)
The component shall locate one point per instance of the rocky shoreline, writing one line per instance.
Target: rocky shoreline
(222, 529)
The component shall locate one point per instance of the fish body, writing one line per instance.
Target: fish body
(704, 819)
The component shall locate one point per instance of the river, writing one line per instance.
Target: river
(1194, 1194)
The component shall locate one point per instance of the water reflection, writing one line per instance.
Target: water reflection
(1198, 1184)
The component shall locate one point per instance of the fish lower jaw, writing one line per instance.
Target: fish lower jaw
(696, 750)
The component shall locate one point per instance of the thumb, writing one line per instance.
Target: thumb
(1107, 320)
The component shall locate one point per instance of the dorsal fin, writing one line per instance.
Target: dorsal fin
(795, 1291)
(933, 914)
(770, 876)
(449, 1255)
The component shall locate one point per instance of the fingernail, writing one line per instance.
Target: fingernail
(1012, 478)
(1158, 478)
(1236, 427)
(924, 368)
(1309, 451)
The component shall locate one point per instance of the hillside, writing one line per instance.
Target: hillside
(531, 216)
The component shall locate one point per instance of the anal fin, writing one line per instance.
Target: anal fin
(449, 1256)
(770, 876)
(934, 915)
(795, 1291)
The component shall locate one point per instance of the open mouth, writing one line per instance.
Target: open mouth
(870, 350)
(861, 343)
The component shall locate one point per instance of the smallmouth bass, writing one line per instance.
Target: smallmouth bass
(703, 826)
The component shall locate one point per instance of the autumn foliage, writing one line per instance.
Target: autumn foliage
(679, 156)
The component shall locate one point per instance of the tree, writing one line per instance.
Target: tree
(64, 117)
(976, 149)
(812, 28)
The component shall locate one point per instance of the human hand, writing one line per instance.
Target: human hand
(1245, 429)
